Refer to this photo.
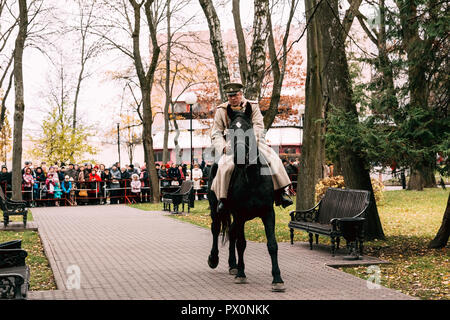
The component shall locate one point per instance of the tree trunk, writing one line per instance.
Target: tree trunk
(215, 38)
(19, 105)
(441, 239)
(165, 158)
(243, 66)
(257, 61)
(337, 87)
(313, 145)
(429, 177)
(146, 78)
(416, 181)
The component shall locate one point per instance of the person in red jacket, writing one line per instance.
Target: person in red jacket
(94, 193)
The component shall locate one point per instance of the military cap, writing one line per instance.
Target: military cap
(232, 88)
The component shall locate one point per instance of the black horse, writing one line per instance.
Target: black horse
(250, 195)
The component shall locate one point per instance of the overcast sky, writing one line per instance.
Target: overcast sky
(100, 98)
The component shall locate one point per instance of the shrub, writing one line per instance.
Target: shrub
(338, 182)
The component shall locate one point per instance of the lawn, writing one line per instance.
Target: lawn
(41, 275)
(410, 220)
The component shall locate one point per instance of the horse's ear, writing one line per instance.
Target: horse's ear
(230, 111)
(248, 110)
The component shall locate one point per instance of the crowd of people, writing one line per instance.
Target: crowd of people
(81, 184)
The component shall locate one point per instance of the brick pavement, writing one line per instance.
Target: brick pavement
(126, 253)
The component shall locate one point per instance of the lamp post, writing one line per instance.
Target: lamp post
(118, 140)
(190, 99)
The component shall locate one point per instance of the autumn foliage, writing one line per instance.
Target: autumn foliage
(338, 182)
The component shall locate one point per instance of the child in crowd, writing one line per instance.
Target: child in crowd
(28, 182)
(50, 184)
(58, 193)
(135, 188)
(66, 186)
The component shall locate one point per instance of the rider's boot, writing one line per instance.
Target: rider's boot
(221, 206)
(282, 198)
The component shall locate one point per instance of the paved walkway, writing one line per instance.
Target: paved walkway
(126, 253)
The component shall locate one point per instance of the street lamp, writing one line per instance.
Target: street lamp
(118, 140)
(191, 99)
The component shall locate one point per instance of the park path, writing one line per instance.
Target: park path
(126, 253)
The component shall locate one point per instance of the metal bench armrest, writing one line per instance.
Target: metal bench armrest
(305, 215)
(359, 215)
(12, 258)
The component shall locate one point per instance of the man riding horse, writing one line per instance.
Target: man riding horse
(221, 182)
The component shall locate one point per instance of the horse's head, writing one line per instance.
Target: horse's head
(242, 136)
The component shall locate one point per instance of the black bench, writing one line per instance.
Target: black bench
(14, 273)
(324, 218)
(180, 196)
(12, 208)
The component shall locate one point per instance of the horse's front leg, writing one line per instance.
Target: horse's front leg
(232, 250)
(213, 259)
(241, 244)
(272, 246)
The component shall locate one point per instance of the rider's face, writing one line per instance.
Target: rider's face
(235, 99)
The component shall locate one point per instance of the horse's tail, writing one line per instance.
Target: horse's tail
(225, 222)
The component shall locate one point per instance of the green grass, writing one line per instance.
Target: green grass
(410, 220)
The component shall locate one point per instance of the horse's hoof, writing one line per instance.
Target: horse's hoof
(240, 280)
(278, 287)
(213, 262)
(233, 271)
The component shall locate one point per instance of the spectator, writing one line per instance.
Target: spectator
(71, 172)
(87, 171)
(116, 176)
(124, 184)
(5, 179)
(27, 165)
(185, 170)
(44, 167)
(66, 187)
(174, 173)
(145, 185)
(58, 192)
(50, 186)
(197, 176)
(28, 183)
(60, 173)
(207, 170)
(39, 182)
(94, 187)
(164, 176)
(135, 188)
(106, 178)
(182, 175)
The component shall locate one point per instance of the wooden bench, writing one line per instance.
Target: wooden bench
(12, 208)
(14, 273)
(323, 219)
(181, 196)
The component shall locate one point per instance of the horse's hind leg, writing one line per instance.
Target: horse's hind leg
(232, 250)
(241, 244)
(213, 259)
(272, 246)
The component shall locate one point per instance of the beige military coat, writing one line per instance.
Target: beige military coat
(226, 162)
